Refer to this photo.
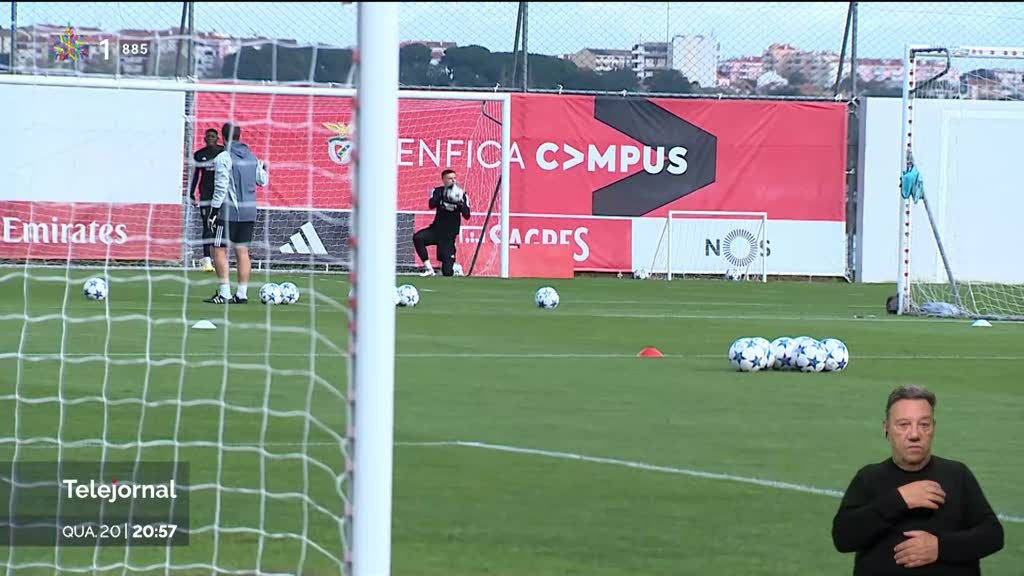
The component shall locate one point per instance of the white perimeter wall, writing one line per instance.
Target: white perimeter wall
(970, 154)
(91, 145)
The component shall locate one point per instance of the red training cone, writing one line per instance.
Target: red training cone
(650, 352)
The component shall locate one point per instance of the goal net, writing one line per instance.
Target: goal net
(963, 122)
(117, 375)
(134, 376)
(711, 243)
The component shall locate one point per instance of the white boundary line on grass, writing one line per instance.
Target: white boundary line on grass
(656, 468)
(153, 356)
(48, 444)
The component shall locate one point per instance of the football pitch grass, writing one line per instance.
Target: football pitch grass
(528, 442)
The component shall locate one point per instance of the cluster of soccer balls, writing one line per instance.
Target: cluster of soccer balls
(753, 354)
(407, 296)
(283, 293)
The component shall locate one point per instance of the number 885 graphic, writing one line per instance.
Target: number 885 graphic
(134, 48)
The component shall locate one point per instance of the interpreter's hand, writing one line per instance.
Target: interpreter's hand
(923, 494)
(920, 549)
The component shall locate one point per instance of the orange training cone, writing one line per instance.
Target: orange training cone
(650, 352)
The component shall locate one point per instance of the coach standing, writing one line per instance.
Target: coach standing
(233, 212)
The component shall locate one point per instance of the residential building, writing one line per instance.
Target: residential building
(696, 58)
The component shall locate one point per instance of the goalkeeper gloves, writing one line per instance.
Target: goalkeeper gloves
(211, 222)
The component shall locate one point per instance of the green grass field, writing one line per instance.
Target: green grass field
(529, 442)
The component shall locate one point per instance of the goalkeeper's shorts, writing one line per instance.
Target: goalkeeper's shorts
(229, 233)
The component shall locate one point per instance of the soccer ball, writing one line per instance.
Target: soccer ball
(749, 354)
(837, 356)
(289, 293)
(457, 269)
(546, 297)
(769, 353)
(96, 289)
(733, 275)
(784, 349)
(810, 356)
(641, 274)
(455, 194)
(270, 293)
(408, 296)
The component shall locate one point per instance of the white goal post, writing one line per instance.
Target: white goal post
(716, 243)
(962, 120)
(291, 469)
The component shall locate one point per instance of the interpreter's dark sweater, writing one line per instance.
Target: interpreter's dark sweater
(873, 517)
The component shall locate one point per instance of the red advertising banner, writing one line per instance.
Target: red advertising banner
(581, 166)
(55, 230)
(594, 243)
(307, 141)
(642, 157)
(571, 155)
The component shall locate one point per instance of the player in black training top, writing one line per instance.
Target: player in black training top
(203, 176)
(914, 512)
(443, 231)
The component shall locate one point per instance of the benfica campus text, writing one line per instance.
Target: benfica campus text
(114, 491)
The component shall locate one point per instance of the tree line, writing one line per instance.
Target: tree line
(460, 67)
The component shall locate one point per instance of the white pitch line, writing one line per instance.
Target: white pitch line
(142, 355)
(656, 468)
(552, 454)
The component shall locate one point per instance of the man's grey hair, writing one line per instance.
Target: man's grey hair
(910, 392)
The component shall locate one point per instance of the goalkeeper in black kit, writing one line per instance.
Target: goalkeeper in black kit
(450, 202)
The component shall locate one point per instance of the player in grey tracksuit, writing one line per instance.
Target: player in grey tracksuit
(233, 211)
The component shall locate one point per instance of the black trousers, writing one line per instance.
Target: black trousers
(445, 243)
(208, 233)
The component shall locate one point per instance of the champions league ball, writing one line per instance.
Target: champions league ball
(810, 356)
(95, 289)
(289, 293)
(455, 194)
(408, 296)
(837, 356)
(749, 354)
(641, 273)
(769, 353)
(784, 349)
(546, 297)
(270, 293)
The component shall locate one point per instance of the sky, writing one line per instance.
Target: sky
(740, 28)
